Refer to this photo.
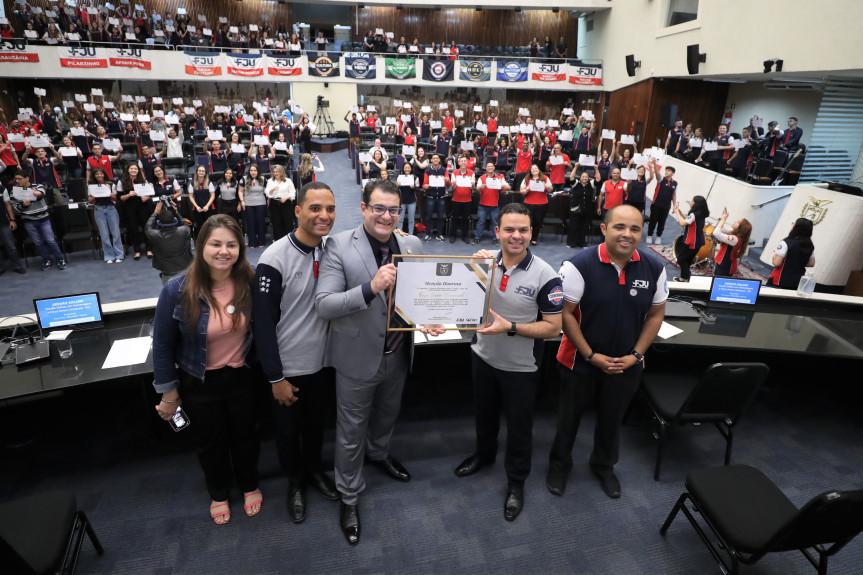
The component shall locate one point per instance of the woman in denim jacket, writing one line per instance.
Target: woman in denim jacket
(201, 340)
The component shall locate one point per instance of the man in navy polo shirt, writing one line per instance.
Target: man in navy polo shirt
(614, 302)
(528, 301)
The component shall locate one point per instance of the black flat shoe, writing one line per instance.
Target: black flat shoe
(556, 480)
(609, 483)
(469, 466)
(323, 485)
(297, 508)
(349, 520)
(514, 501)
(136, 257)
(392, 467)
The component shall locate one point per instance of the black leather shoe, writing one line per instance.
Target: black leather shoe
(392, 467)
(609, 483)
(323, 485)
(556, 480)
(349, 519)
(470, 466)
(297, 501)
(514, 501)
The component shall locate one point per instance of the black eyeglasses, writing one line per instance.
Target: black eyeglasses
(381, 210)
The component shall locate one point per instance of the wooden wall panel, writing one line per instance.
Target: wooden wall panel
(248, 11)
(466, 25)
(700, 103)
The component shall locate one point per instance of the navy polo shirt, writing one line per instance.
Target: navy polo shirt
(612, 302)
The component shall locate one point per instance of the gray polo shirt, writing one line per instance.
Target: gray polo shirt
(521, 294)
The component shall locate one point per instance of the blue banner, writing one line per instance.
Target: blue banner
(361, 67)
(511, 71)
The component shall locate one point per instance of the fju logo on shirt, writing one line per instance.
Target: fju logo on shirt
(637, 285)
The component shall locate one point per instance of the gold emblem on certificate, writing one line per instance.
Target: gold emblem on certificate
(446, 292)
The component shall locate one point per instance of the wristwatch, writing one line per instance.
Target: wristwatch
(638, 357)
(511, 331)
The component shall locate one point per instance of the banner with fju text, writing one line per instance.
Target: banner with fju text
(548, 72)
(585, 74)
(82, 57)
(247, 65)
(286, 65)
(203, 63)
(129, 58)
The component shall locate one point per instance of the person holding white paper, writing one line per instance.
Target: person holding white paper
(34, 215)
(106, 216)
(209, 341)
(463, 182)
(373, 167)
(490, 186)
(229, 195)
(582, 195)
(136, 208)
(42, 168)
(536, 187)
(558, 164)
(202, 195)
(435, 183)
(637, 188)
(408, 185)
(310, 164)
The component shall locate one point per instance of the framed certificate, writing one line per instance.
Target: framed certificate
(440, 290)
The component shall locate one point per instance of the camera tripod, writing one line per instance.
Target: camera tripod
(322, 118)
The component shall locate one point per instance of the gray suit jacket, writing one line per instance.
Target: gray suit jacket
(355, 342)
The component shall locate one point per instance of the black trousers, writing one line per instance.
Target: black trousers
(612, 395)
(223, 416)
(577, 228)
(685, 255)
(514, 394)
(658, 215)
(460, 219)
(281, 217)
(537, 217)
(300, 426)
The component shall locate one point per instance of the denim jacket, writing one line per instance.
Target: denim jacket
(174, 345)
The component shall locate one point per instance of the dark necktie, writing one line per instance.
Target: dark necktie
(394, 340)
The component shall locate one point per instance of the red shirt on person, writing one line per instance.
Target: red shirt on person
(558, 172)
(460, 194)
(613, 193)
(103, 162)
(490, 197)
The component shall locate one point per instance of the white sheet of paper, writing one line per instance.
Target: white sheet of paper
(214, 134)
(587, 115)
(128, 352)
(39, 141)
(89, 107)
(97, 191)
(22, 194)
(628, 174)
(535, 186)
(409, 150)
(435, 124)
(710, 146)
(523, 112)
(695, 143)
(555, 160)
(568, 112)
(58, 335)
(459, 113)
(503, 131)
(373, 109)
(444, 106)
(390, 121)
(463, 181)
(405, 180)
(127, 118)
(525, 129)
(425, 109)
(144, 190)
(739, 144)
(262, 141)
(68, 152)
(419, 337)
(608, 134)
(111, 144)
(74, 131)
(585, 160)
(666, 330)
(540, 124)
(493, 183)
(397, 103)
(437, 181)
(157, 136)
(466, 145)
(365, 157)
(493, 103)
(627, 139)
(143, 117)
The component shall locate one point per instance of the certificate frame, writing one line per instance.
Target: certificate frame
(465, 277)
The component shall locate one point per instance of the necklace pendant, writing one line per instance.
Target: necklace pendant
(230, 309)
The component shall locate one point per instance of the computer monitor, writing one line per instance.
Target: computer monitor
(734, 293)
(76, 312)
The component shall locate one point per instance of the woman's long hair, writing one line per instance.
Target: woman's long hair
(700, 209)
(128, 184)
(199, 282)
(802, 232)
(744, 230)
(306, 167)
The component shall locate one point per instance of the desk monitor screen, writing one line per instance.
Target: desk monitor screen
(734, 292)
(76, 312)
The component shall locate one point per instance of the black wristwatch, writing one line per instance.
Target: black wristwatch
(638, 357)
(511, 331)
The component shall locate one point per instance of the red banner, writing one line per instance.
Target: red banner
(18, 57)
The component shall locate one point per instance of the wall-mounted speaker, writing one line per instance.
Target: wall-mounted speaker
(631, 65)
(694, 58)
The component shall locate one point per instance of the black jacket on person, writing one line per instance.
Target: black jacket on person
(172, 252)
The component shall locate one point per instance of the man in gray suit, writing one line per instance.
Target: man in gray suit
(356, 273)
